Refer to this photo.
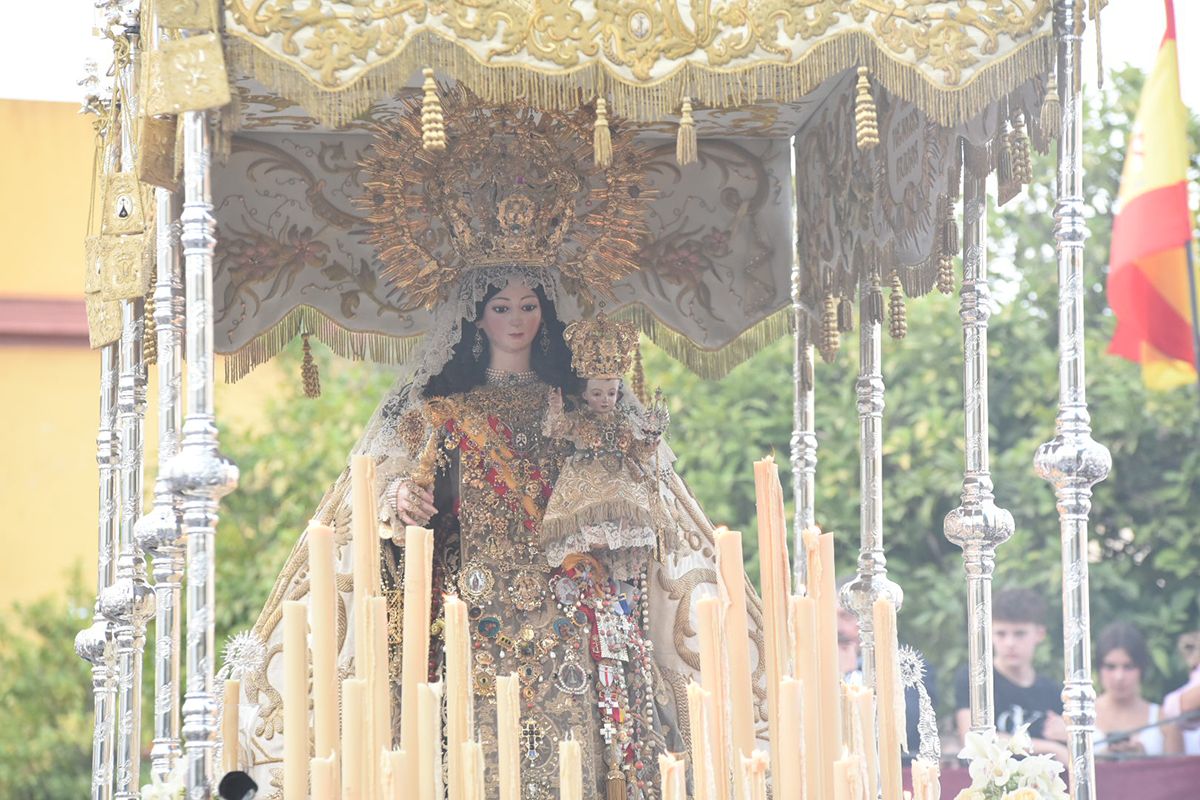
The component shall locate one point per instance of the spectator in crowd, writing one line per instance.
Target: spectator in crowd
(1022, 697)
(1121, 661)
(1174, 705)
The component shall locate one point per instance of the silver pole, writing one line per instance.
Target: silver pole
(199, 472)
(94, 644)
(129, 602)
(160, 532)
(804, 435)
(978, 526)
(1072, 462)
(872, 582)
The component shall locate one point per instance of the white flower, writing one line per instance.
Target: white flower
(982, 747)
(1042, 767)
(1041, 772)
(1020, 742)
(997, 772)
(990, 763)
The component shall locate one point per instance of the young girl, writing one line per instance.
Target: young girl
(605, 498)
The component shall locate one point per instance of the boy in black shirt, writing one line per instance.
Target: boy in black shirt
(1022, 696)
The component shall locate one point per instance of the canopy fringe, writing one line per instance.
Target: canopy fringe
(380, 348)
(643, 101)
(709, 364)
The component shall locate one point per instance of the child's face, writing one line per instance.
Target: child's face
(600, 394)
(1015, 642)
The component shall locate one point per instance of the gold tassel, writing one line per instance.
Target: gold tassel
(945, 273)
(639, 375)
(1004, 162)
(831, 339)
(845, 315)
(1050, 119)
(308, 372)
(950, 240)
(433, 124)
(871, 307)
(685, 142)
(866, 123)
(616, 784)
(1094, 9)
(897, 314)
(601, 135)
(1018, 141)
(149, 333)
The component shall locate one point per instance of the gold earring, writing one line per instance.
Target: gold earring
(477, 347)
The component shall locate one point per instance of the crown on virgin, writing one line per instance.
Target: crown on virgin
(513, 188)
(601, 347)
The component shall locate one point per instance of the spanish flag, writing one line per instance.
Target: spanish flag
(1147, 279)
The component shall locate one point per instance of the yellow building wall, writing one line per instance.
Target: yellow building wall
(46, 154)
(49, 401)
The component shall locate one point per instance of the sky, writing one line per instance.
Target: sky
(32, 69)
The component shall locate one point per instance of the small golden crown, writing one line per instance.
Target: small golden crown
(601, 347)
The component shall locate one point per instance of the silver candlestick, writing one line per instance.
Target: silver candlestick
(1072, 462)
(160, 532)
(871, 582)
(978, 526)
(199, 472)
(95, 644)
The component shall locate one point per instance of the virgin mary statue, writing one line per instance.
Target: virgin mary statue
(495, 235)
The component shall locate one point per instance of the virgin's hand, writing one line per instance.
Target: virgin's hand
(414, 504)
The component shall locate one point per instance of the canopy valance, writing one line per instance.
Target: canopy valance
(950, 59)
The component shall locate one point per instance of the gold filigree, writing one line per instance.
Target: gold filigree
(93, 265)
(104, 320)
(156, 152)
(186, 14)
(647, 54)
(512, 188)
(124, 209)
(186, 75)
(127, 265)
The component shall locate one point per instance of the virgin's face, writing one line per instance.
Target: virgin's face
(1119, 676)
(512, 318)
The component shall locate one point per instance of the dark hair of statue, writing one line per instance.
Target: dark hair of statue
(464, 372)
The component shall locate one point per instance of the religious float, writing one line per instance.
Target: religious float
(465, 618)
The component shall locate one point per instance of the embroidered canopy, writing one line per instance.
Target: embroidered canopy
(777, 88)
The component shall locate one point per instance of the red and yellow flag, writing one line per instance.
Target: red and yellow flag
(1147, 279)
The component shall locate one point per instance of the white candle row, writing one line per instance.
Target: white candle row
(805, 693)
(805, 707)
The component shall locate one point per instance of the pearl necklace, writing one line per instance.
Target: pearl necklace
(499, 376)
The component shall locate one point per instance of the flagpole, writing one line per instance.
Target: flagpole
(1191, 271)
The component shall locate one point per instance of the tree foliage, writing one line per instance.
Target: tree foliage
(45, 699)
